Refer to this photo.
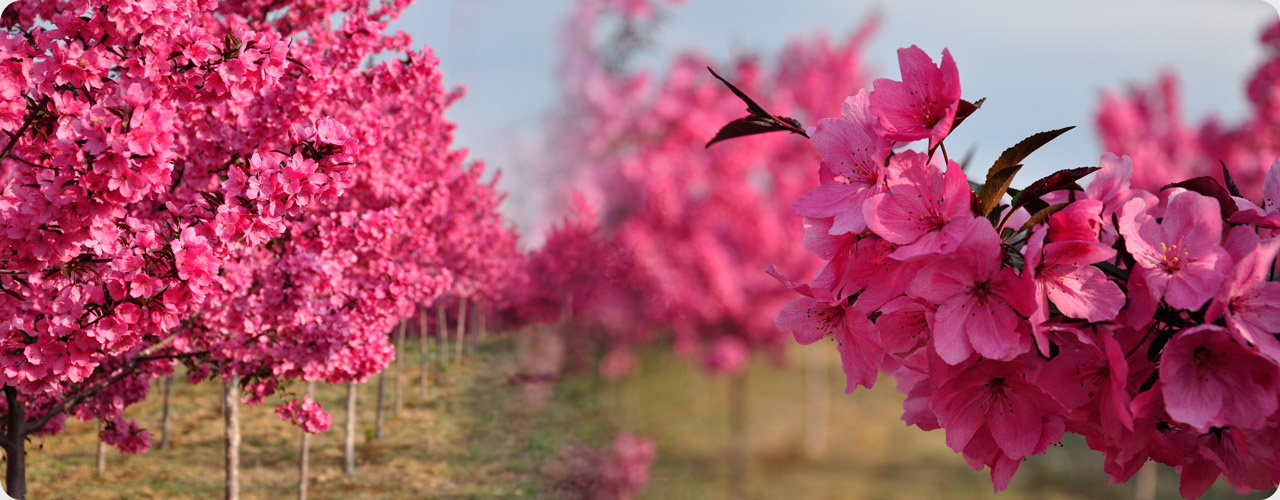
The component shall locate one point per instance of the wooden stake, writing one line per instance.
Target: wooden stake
(164, 419)
(304, 455)
(349, 440)
(231, 401)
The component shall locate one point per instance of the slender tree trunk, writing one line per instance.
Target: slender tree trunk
(102, 451)
(738, 452)
(15, 438)
(484, 330)
(424, 360)
(164, 420)
(442, 349)
(462, 328)
(231, 401)
(1145, 485)
(397, 395)
(304, 455)
(349, 440)
(816, 403)
(378, 413)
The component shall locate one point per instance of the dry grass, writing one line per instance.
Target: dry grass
(479, 437)
(468, 439)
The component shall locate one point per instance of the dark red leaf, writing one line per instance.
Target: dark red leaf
(1001, 173)
(965, 109)
(759, 121)
(1062, 179)
(1208, 186)
(1231, 183)
(748, 125)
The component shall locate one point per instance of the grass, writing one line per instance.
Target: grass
(870, 453)
(478, 436)
(470, 439)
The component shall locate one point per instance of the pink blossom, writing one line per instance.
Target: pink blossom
(1250, 302)
(820, 314)
(853, 157)
(1079, 221)
(923, 105)
(994, 415)
(1064, 275)
(306, 414)
(1179, 258)
(1211, 381)
(925, 211)
(979, 301)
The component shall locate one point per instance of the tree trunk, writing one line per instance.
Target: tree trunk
(1145, 485)
(816, 403)
(231, 401)
(102, 451)
(462, 328)
(397, 395)
(304, 455)
(442, 349)
(349, 440)
(164, 420)
(15, 438)
(738, 453)
(484, 331)
(424, 360)
(377, 411)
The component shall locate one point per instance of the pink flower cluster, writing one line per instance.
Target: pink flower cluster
(1143, 321)
(619, 472)
(689, 227)
(1147, 124)
(306, 414)
(228, 184)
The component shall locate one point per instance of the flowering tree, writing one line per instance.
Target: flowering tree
(693, 226)
(1139, 320)
(1147, 125)
(229, 185)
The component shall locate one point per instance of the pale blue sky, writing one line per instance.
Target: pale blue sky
(1042, 65)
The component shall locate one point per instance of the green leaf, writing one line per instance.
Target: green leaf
(1010, 162)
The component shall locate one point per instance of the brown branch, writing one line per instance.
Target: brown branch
(71, 403)
(26, 124)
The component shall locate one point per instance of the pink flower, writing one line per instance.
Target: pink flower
(195, 260)
(127, 436)
(1250, 302)
(923, 105)
(1267, 215)
(821, 313)
(296, 172)
(1178, 258)
(925, 211)
(979, 300)
(1080, 221)
(727, 355)
(1090, 373)
(853, 170)
(994, 415)
(306, 414)
(1210, 381)
(1111, 185)
(1063, 274)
